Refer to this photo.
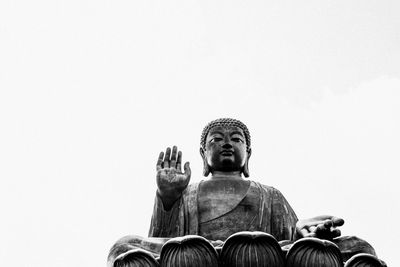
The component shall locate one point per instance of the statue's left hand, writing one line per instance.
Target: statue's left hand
(323, 227)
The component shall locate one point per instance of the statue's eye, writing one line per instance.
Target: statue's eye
(237, 139)
(216, 139)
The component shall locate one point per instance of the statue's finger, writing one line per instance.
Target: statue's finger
(337, 221)
(321, 229)
(322, 232)
(167, 157)
(313, 223)
(304, 232)
(335, 232)
(320, 219)
(312, 229)
(179, 162)
(187, 170)
(328, 223)
(160, 161)
(173, 157)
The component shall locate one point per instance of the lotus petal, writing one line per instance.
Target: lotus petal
(188, 251)
(363, 260)
(314, 252)
(252, 249)
(136, 258)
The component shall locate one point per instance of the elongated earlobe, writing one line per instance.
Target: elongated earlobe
(206, 168)
(246, 171)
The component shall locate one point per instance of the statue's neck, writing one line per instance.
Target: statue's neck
(235, 175)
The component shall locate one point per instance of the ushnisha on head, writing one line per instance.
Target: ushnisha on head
(225, 147)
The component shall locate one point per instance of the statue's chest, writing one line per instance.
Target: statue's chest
(219, 197)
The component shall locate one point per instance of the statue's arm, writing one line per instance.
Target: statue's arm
(284, 218)
(285, 224)
(279, 219)
(164, 223)
(171, 184)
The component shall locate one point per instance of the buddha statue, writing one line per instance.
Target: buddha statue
(227, 202)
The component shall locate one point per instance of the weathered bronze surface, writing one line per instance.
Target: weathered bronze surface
(188, 251)
(136, 257)
(227, 202)
(251, 249)
(314, 252)
(364, 260)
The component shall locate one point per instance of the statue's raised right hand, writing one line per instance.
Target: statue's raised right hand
(171, 181)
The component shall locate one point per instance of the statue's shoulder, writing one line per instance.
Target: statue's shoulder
(270, 190)
(263, 186)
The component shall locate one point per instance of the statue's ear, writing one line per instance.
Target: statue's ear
(246, 172)
(206, 168)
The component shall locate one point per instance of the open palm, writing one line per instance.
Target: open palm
(171, 181)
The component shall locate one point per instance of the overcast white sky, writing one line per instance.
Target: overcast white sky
(92, 91)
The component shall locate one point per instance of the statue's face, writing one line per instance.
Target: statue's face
(225, 149)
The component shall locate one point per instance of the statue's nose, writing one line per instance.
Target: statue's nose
(227, 145)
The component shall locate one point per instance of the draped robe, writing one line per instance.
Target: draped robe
(256, 208)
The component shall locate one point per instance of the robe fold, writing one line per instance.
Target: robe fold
(273, 215)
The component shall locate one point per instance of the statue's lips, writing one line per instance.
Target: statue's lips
(227, 153)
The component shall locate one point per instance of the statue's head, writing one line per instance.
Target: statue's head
(225, 147)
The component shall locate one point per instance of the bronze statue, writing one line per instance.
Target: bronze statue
(227, 202)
